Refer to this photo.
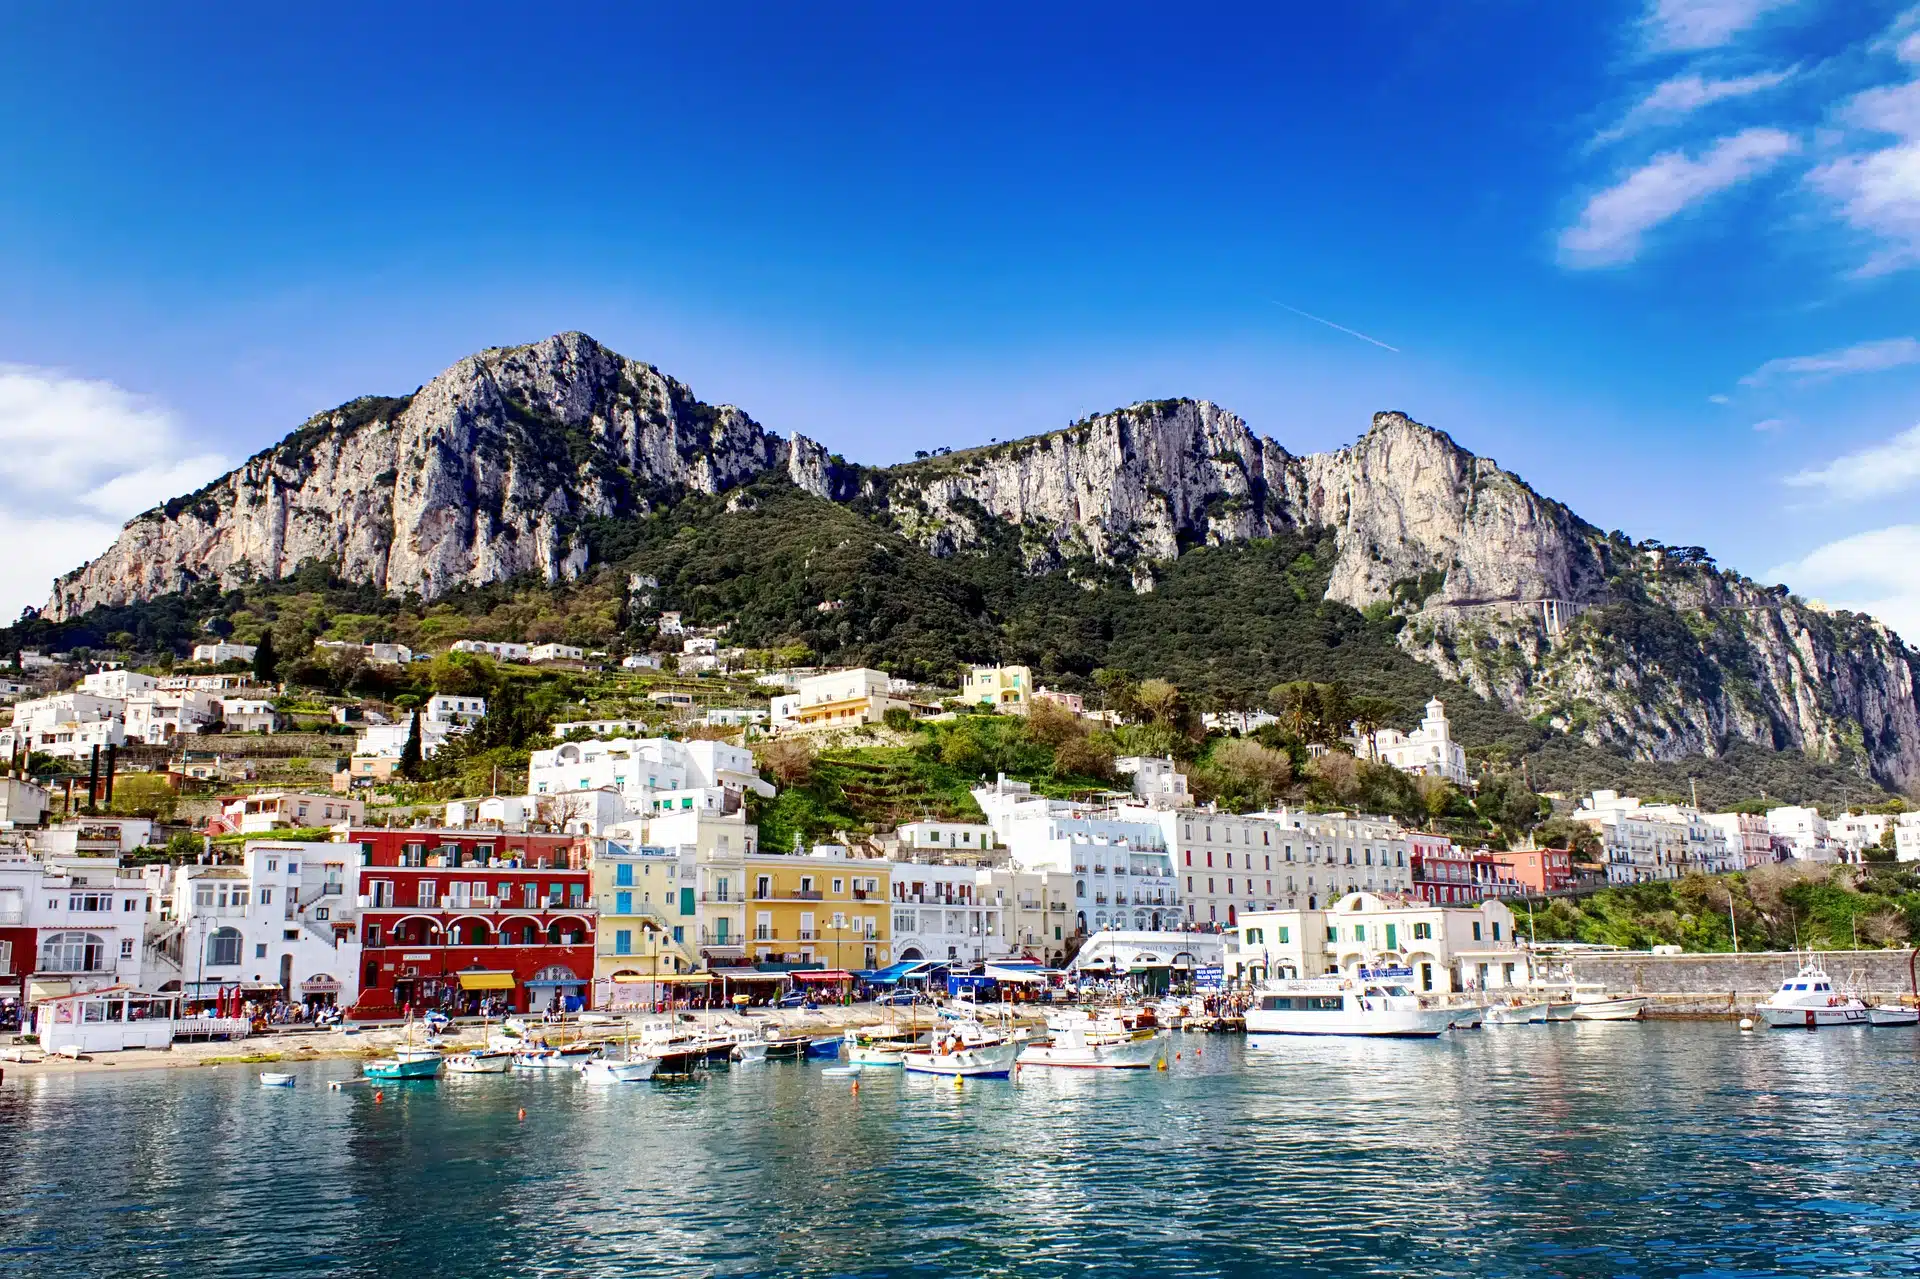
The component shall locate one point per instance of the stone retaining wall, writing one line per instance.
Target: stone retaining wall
(1704, 984)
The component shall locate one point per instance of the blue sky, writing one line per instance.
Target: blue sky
(1661, 257)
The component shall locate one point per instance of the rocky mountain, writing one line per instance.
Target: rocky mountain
(494, 468)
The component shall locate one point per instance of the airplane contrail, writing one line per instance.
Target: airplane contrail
(1330, 324)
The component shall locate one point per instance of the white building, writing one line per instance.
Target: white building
(1427, 751)
(280, 925)
(735, 716)
(66, 725)
(655, 775)
(944, 911)
(1156, 779)
(1230, 864)
(555, 653)
(499, 650)
(1120, 952)
(117, 682)
(1856, 833)
(1638, 846)
(214, 654)
(159, 716)
(1745, 835)
(601, 727)
(451, 709)
(1449, 948)
(970, 837)
(840, 699)
(22, 803)
(389, 741)
(1123, 876)
(579, 812)
(268, 811)
(670, 623)
(249, 715)
(1805, 831)
(640, 662)
(1244, 723)
(86, 917)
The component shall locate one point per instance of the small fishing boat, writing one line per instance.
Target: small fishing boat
(780, 1047)
(966, 1050)
(1073, 1050)
(621, 1070)
(883, 1046)
(540, 1057)
(840, 1072)
(825, 1045)
(1893, 1015)
(1517, 1013)
(480, 1062)
(275, 1079)
(394, 1068)
(747, 1051)
(1808, 999)
(1614, 1008)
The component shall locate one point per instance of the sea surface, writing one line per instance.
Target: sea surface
(1584, 1149)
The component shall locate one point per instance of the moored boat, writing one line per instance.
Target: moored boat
(620, 1070)
(1610, 1008)
(1808, 1000)
(1071, 1049)
(394, 1068)
(825, 1045)
(966, 1050)
(1520, 1012)
(275, 1079)
(1374, 1003)
(480, 1062)
(1893, 1015)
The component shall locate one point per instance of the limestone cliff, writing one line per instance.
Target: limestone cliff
(491, 470)
(484, 473)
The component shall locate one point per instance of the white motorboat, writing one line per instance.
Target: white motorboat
(480, 1062)
(619, 1070)
(1610, 1008)
(1893, 1015)
(883, 1045)
(540, 1058)
(1072, 1049)
(1808, 999)
(275, 1079)
(749, 1050)
(967, 1050)
(1520, 1012)
(1467, 1016)
(1376, 1002)
(841, 1072)
(1098, 1025)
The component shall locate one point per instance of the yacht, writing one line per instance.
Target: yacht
(1374, 1002)
(1808, 999)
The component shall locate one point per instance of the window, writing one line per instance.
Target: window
(260, 949)
(429, 892)
(1283, 934)
(1423, 932)
(266, 897)
(623, 903)
(1359, 932)
(623, 942)
(837, 887)
(126, 948)
(1333, 933)
(623, 875)
(1476, 930)
(73, 953)
(373, 935)
(1496, 930)
(223, 948)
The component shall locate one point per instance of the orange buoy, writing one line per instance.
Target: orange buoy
(378, 1095)
(523, 1112)
(856, 1087)
(1176, 1056)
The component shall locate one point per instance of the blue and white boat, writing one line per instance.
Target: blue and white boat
(825, 1046)
(410, 1068)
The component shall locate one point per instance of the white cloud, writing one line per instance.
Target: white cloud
(1877, 573)
(1771, 424)
(1717, 399)
(1683, 25)
(1877, 191)
(1685, 94)
(1871, 472)
(78, 457)
(1863, 357)
(1610, 228)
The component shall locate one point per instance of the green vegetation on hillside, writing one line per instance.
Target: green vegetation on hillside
(824, 582)
(1782, 907)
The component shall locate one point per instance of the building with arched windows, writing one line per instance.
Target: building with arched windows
(1448, 948)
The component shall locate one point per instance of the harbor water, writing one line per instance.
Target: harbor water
(1577, 1149)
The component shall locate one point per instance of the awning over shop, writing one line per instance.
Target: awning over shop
(737, 975)
(486, 981)
(1017, 974)
(822, 974)
(259, 987)
(663, 979)
(894, 974)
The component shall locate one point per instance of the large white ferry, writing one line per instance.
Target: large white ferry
(1375, 1001)
(1808, 999)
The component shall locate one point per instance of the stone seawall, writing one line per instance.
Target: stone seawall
(1700, 985)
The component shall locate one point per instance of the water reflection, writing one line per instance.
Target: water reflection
(1567, 1149)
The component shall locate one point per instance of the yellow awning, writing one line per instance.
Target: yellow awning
(486, 981)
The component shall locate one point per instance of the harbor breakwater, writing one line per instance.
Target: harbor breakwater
(1705, 985)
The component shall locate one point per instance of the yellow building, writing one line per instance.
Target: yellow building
(642, 944)
(825, 906)
(1004, 688)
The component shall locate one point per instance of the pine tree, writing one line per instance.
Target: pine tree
(265, 660)
(410, 753)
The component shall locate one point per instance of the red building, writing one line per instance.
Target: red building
(1538, 870)
(449, 918)
(1443, 873)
